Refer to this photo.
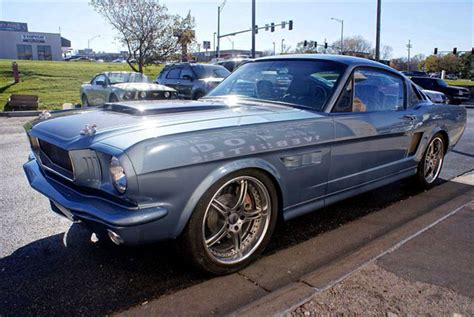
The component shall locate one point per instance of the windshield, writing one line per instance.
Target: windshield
(211, 71)
(306, 83)
(118, 78)
(442, 83)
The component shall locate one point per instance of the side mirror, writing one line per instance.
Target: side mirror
(187, 77)
(101, 83)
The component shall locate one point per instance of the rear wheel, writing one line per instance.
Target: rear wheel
(113, 98)
(198, 95)
(232, 223)
(430, 166)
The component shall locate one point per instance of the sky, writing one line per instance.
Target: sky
(427, 24)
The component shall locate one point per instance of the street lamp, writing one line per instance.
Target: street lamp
(274, 49)
(282, 46)
(215, 41)
(219, 10)
(342, 33)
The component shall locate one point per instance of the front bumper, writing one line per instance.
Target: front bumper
(135, 226)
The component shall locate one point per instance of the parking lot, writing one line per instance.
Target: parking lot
(50, 268)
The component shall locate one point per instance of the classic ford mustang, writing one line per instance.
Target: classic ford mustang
(280, 137)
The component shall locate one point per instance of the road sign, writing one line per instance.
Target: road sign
(206, 45)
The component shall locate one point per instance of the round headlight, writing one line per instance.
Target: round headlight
(119, 179)
(142, 94)
(167, 94)
(127, 95)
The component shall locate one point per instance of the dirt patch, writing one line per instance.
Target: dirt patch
(375, 291)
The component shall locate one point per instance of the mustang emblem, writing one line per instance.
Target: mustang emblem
(45, 114)
(89, 130)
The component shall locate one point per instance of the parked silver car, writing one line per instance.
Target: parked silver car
(122, 86)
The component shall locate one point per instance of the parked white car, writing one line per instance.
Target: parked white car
(122, 86)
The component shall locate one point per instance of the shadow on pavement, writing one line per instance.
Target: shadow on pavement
(47, 278)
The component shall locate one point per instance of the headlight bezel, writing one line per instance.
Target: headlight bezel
(117, 175)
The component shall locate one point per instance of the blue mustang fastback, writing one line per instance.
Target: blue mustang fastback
(280, 137)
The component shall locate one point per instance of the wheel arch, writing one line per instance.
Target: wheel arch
(224, 170)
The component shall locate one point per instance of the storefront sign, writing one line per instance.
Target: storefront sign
(13, 26)
(33, 38)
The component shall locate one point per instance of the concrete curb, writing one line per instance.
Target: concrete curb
(31, 113)
(291, 276)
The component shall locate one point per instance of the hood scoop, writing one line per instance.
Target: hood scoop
(144, 109)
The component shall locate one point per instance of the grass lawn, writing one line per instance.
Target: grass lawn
(55, 82)
(460, 82)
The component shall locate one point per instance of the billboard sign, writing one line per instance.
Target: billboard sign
(13, 26)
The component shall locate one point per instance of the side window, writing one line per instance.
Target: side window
(187, 72)
(174, 73)
(376, 90)
(99, 79)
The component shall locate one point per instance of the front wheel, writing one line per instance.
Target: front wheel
(85, 101)
(232, 223)
(113, 98)
(430, 166)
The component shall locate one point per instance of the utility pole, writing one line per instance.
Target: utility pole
(282, 46)
(377, 36)
(409, 46)
(274, 49)
(214, 41)
(253, 28)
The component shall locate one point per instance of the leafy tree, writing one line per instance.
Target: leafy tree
(145, 27)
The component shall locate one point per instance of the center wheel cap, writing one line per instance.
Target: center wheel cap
(233, 218)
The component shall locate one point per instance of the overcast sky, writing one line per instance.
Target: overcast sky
(428, 24)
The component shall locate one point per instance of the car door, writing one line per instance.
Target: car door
(172, 78)
(372, 130)
(98, 90)
(185, 84)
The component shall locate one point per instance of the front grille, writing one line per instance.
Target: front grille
(56, 155)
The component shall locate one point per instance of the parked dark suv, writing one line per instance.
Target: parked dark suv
(455, 95)
(192, 81)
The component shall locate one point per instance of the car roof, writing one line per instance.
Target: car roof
(343, 59)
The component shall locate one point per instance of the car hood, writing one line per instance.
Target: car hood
(142, 87)
(122, 125)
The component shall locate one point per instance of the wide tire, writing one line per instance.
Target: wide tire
(113, 98)
(431, 163)
(232, 223)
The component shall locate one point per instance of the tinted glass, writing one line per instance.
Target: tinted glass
(99, 78)
(174, 73)
(117, 78)
(298, 82)
(24, 52)
(187, 72)
(206, 71)
(44, 53)
(377, 91)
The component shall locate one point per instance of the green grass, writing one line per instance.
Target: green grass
(55, 82)
(460, 82)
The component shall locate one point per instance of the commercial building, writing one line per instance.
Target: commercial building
(17, 43)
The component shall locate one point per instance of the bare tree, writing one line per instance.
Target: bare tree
(145, 27)
(353, 44)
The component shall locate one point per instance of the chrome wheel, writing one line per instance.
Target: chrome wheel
(433, 160)
(236, 220)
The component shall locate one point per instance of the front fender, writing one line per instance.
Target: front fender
(219, 173)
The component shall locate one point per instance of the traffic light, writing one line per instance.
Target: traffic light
(315, 44)
(436, 51)
(272, 27)
(325, 45)
(455, 50)
(290, 25)
(256, 29)
(305, 43)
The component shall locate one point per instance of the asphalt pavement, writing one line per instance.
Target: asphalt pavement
(50, 268)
